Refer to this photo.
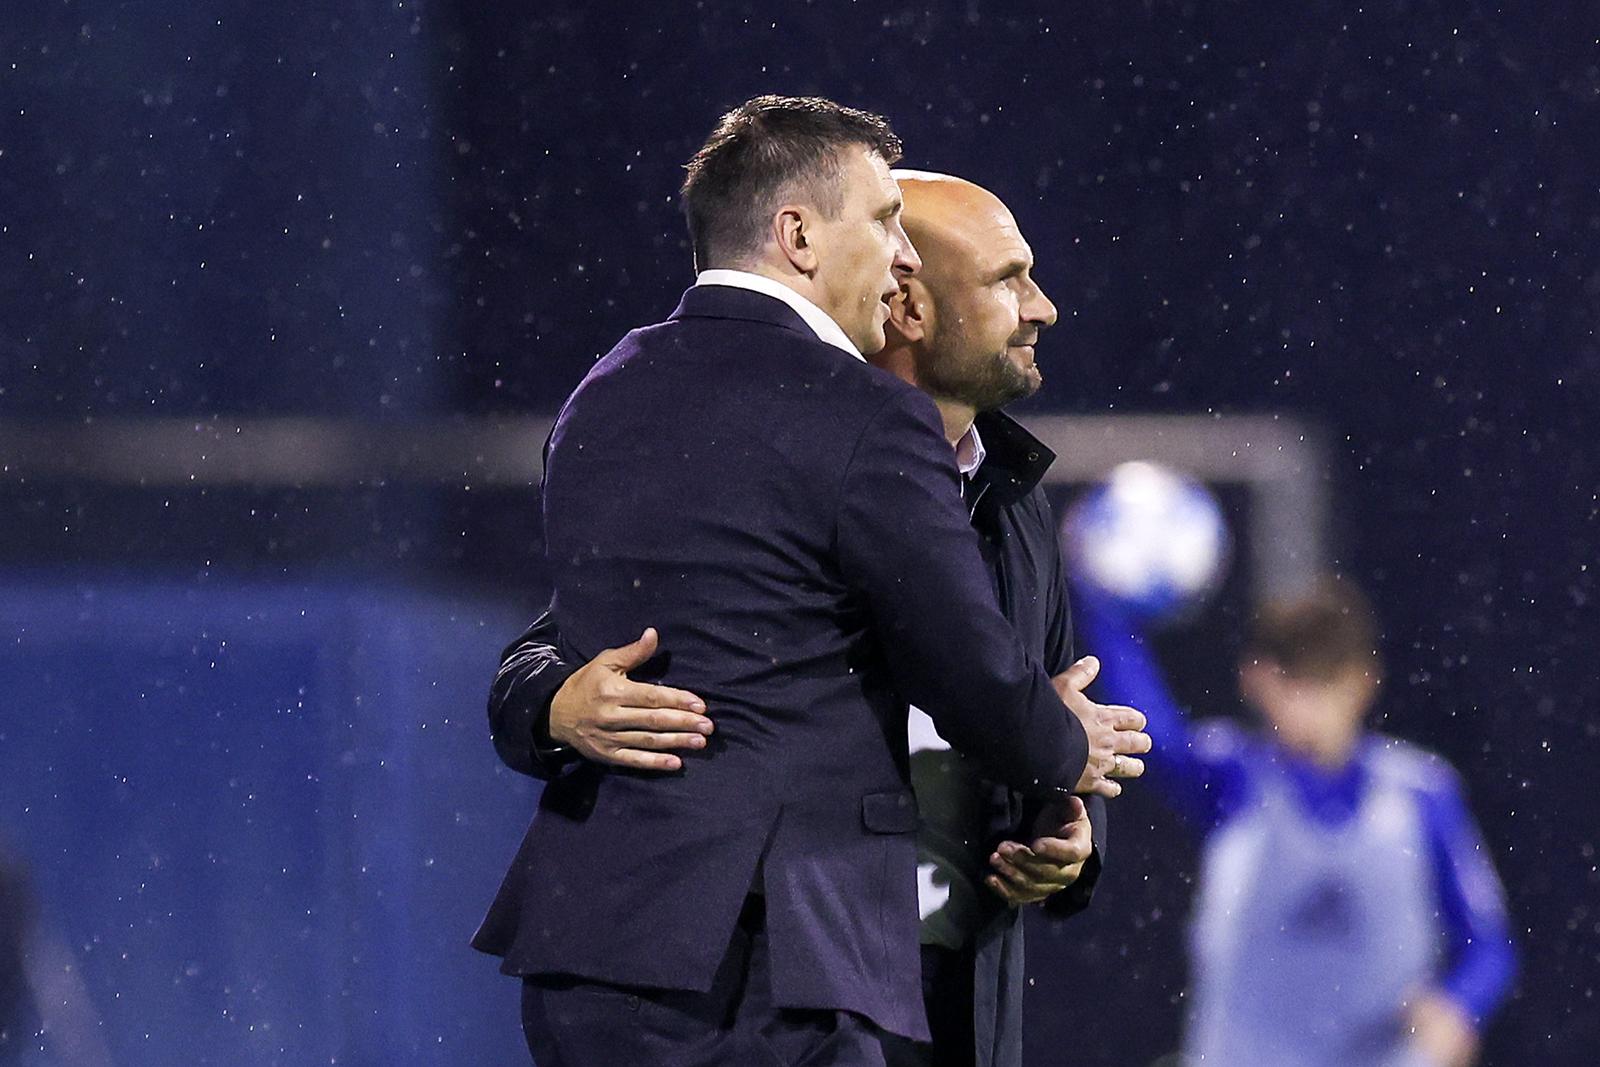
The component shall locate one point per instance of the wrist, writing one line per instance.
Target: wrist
(554, 718)
(544, 728)
(551, 742)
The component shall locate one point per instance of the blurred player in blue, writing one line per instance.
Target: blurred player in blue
(1347, 910)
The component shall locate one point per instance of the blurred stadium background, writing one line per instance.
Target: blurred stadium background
(288, 293)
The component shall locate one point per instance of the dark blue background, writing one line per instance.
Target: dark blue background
(1382, 219)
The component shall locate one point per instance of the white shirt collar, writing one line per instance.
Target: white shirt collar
(970, 451)
(820, 321)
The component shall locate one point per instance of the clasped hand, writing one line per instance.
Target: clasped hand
(1116, 733)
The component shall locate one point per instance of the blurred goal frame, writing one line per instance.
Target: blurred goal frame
(1273, 458)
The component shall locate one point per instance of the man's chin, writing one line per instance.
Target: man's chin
(1023, 371)
(872, 341)
(1024, 378)
(1003, 393)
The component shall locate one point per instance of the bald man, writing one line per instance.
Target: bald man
(962, 330)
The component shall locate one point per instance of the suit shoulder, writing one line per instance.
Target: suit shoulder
(884, 392)
(784, 355)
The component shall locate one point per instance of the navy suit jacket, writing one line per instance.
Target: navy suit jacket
(789, 518)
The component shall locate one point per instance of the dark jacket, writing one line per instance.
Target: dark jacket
(789, 519)
(1019, 543)
(1021, 546)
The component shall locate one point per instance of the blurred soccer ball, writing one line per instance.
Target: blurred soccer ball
(1150, 539)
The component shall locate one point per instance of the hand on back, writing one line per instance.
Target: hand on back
(609, 718)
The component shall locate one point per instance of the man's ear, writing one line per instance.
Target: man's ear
(791, 230)
(910, 310)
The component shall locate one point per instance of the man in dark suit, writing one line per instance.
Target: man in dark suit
(963, 331)
(790, 518)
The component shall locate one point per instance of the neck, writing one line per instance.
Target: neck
(1334, 751)
(899, 358)
(957, 419)
(782, 273)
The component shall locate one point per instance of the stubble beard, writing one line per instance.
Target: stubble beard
(987, 384)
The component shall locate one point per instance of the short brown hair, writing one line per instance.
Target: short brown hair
(761, 151)
(1318, 635)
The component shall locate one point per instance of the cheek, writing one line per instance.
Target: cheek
(1010, 308)
(1000, 316)
(889, 248)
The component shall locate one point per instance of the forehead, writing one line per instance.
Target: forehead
(866, 174)
(1000, 238)
(983, 233)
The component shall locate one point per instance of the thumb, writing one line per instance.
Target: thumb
(633, 654)
(1076, 678)
(1062, 814)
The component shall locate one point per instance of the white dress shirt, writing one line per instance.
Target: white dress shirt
(820, 321)
(970, 452)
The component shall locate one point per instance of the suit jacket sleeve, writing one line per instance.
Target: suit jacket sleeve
(905, 542)
(531, 671)
(1058, 657)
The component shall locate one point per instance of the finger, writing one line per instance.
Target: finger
(1015, 890)
(1002, 890)
(1103, 787)
(1076, 678)
(654, 742)
(1126, 718)
(1012, 875)
(633, 654)
(642, 760)
(655, 720)
(1127, 743)
(645, 695)
(1036, 865)
(1037, 871)
(1061, 816)
(598, 748)
(1040, 876)
(1128, 767)
(1024, 886)
(613, 717)
(1013, 851)
(1063, 851)
(1135, 742)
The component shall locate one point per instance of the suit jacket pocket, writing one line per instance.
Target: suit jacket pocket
(890, 813)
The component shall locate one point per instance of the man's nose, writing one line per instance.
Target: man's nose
(906, 260)
(1038, 309)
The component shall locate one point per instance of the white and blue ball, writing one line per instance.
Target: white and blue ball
(1150, 539)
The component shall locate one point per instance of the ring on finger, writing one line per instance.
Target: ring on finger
(1116, 765)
